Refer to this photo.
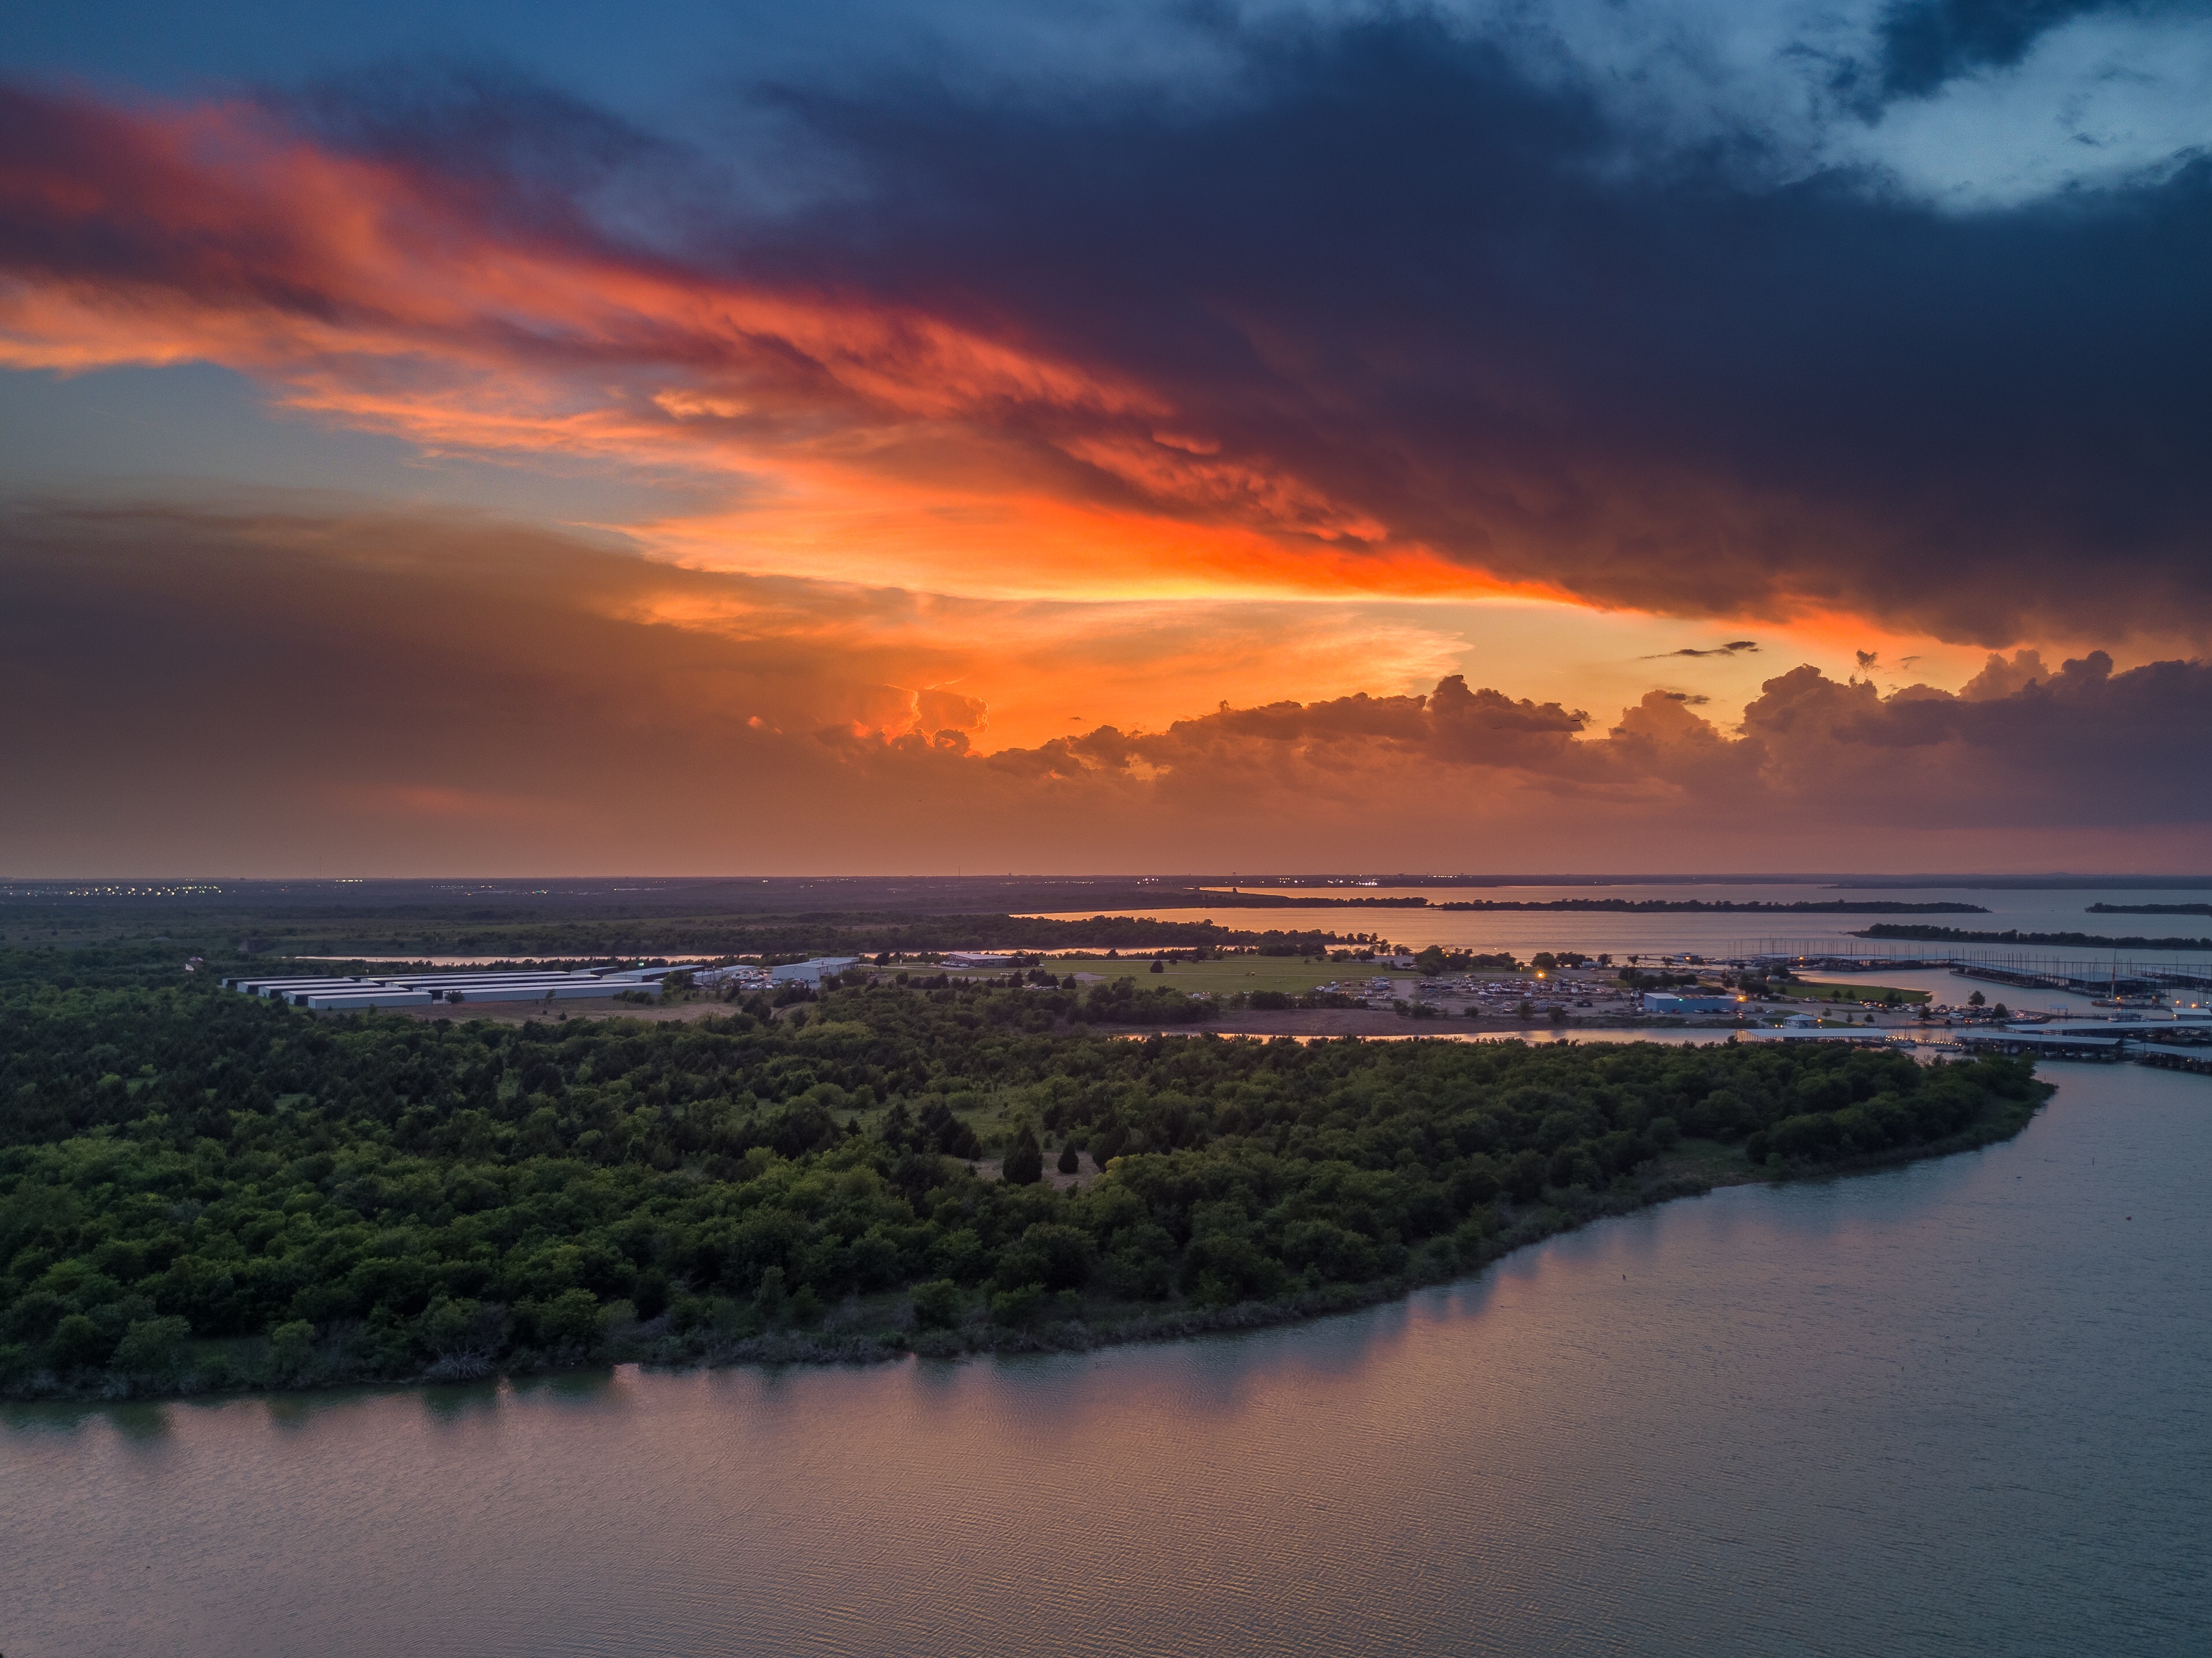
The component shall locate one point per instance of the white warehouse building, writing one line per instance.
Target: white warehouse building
(811, 971)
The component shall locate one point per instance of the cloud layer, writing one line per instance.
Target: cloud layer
(1379, 313)
(179, 692)
(1005, 403)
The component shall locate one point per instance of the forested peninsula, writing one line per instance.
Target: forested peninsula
(203, 1191)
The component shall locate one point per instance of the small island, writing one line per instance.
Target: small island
(200, 1190)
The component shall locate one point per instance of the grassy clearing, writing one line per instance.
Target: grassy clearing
(1859, 993)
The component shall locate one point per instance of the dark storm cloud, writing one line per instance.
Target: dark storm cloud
(1387, 264)
(1924, 43)
(1369, 289)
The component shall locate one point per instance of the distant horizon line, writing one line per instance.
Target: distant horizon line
(122, 885)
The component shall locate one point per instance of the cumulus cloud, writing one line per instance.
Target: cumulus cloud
(938, 708)
(2000, 677)
(2086, 747)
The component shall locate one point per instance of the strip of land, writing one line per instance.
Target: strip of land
(1945, 935)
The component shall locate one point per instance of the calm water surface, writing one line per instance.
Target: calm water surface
(1958, 1408)
(1527, 931)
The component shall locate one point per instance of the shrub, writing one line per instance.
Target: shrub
(570, 1319)
(1017, 1307)
(291, 1350)
(937, 1304)
(153, 1349)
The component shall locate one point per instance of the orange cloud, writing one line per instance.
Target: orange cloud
(289, 693)
(1219, 378)
(870, 440)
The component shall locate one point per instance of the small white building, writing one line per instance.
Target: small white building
(811, 971)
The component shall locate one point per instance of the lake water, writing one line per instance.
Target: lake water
(1962, 1407)
(1525, 932)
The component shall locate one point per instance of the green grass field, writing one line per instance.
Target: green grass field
(1858, 992)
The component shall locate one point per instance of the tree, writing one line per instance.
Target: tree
(1977, 999)
(571, 1319)
(1107, 1141)
(772, 1299)
(937, 1304)
(1024, 1160)
(1157, 965)
(1069, 1163)
(78, 1344)
(1524, 1175)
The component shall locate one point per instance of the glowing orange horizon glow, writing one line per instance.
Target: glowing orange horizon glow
(839, 528)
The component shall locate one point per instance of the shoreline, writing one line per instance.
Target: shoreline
(1535, 1224)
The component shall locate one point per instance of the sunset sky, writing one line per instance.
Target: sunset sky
(1706, 435)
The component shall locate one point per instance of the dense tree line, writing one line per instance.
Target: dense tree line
(198, 1187)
